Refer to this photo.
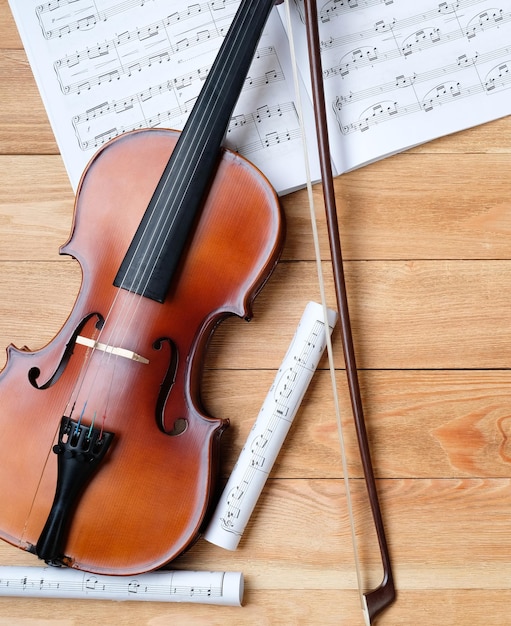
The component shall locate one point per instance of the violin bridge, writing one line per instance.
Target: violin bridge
(96, 345)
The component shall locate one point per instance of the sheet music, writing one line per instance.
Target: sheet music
(105, 67)
(399, 73)
(225, 588)
(270, 429)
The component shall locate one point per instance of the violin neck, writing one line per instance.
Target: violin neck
(156, 249)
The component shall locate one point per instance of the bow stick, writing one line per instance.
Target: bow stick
(383, 595)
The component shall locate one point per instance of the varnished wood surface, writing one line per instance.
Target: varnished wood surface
(427, 240)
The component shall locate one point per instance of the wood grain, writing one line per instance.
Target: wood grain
(427, 241)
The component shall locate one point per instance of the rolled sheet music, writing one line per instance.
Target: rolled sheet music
(263, 444)
(224, 588)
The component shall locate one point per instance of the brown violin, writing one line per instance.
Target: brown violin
(107, 457)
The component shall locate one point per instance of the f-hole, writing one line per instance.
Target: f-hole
(35, 372)
(181, 424)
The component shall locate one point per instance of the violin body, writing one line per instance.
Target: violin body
(140, 360)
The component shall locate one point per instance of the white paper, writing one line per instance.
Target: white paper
(224, 588)
(109, 66)
(270, 429)
(397, 73)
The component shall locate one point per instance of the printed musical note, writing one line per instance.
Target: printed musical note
(90, 583)
(499, 77)
(133, 586)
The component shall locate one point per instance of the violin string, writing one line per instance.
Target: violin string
(174, 184)
(70, 406)
(322, 289)
(179, 184)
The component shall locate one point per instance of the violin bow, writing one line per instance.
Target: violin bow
(376, 600)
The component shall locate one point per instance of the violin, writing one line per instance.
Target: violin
(108, 459)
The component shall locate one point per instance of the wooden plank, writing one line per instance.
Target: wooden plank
(405, 315)
(456, 607)
(427, 208)
(417, 315)
(492, 137)
(8, 31)
(421, 424)
(441, 534)
(451, 424)
(380, 215)
(24, 125)
(298, 542)
(36, 207)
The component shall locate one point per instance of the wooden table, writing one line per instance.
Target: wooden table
(427, 239)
